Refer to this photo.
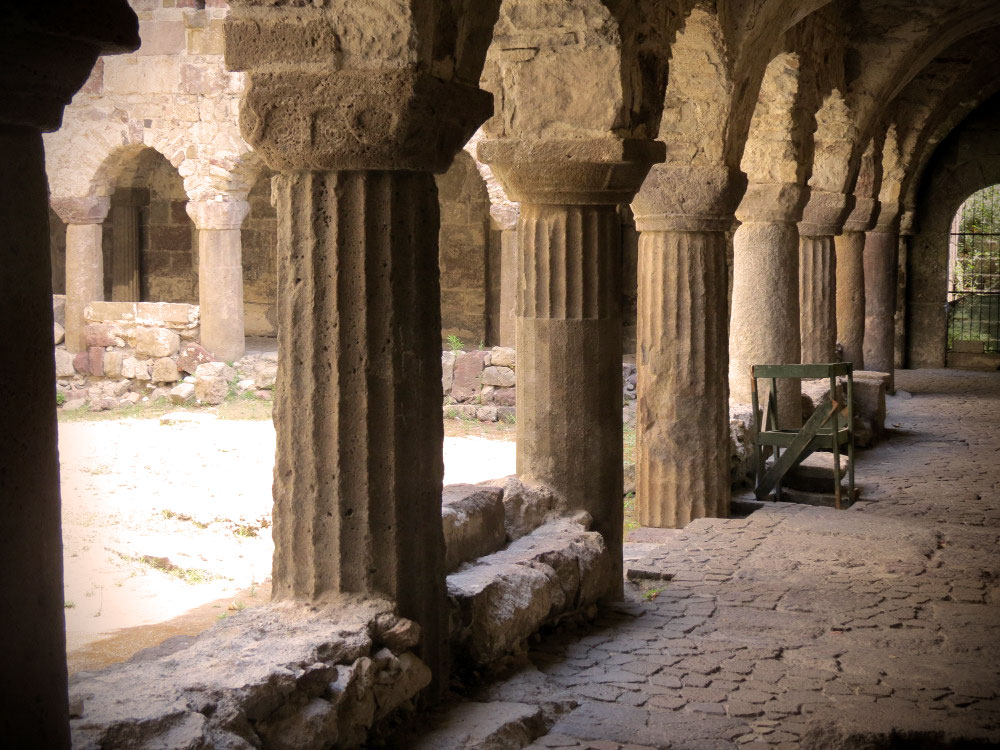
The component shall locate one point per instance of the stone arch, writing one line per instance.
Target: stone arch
(259, 236)
(965, 162)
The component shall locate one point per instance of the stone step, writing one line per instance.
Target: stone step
(815, 473)
(821, 499)
(484, 726)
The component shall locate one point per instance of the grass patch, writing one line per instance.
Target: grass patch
(69, 604)
(191, 576)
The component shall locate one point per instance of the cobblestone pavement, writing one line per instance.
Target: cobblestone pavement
(808, 627)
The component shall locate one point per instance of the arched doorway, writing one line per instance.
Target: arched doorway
(973, 337)
(148, 237)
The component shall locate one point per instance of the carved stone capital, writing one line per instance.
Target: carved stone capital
(824, 214)
(687, 199)
(888, 218)
(359, 119)
(862, 218)
(778, 202)
(602, 171)
(47, 51)
(218, 214)
(89, 210)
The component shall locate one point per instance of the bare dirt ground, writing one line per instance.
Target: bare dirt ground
(162, 519)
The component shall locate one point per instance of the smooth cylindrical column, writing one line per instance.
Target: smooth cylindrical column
(33, 695)
(817, 298)
(220, 275)
(880, 300)
(682, 417)
(764, 324)
(851, 296)
(125, 237)
(569, 358)
(84, 261)
(358, 472)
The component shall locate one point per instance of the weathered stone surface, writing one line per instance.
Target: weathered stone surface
(64, 364)
(99, 334)
(113, 364)
(503, 356)
(286, 673)
(265, 374)
(501, 377)
(95, 365)
(484, 726)
(182, 393)
(473, 520)
(528, 506)
(156, 342)
(505, 597)
(58, 333)
(191, 355)
(447, 371)
(74, 403)
(468, 371)
(164, 371)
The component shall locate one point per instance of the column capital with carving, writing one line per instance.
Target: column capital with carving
(778, 202)
(88, 210)
(598, 171)
(824, 214)
(218, 214)
(686, 198)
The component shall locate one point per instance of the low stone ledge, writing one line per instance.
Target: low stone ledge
(279, 676)
(473, 520)
(558, 569)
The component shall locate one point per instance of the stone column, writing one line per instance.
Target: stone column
(84, 219)
(358, 470)
(508, 286)
(822, 219)
(682, 417)
(880, 258)
(569, 316)
(50, 54)
(220, 275)
(125, 238)
(764, 324)
(851, 296)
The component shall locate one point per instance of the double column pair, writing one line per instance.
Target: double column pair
(220, 268)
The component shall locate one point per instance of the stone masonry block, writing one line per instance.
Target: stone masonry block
(99, 312)
(156, 342)
(468, 370)
(95, 355)
(501, 377)
(473, 521)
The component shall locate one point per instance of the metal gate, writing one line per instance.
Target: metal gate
(974, 274)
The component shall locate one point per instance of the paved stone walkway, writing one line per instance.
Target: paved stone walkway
(801, 626)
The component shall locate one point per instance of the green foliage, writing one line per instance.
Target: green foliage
(455, 343)
(60, 398)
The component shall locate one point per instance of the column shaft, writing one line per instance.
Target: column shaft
(84, 278)
(851, 296)
(880, 300)
(817, 298)
(508, 286)
(682, 421)
(125, 253)
(220, 292)
(764, 326)
(357, 478)
(33, 694)
(569, 350)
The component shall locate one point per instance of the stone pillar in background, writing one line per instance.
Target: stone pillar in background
(43, 74)
(764, 324)
(850, 247)
(682, 416)
(880, 258)
(358, 470)
(569, 317)
(822, 218)
(902, 280)
(125, 238)
(220, 275)
(84, 219)
(508, 286)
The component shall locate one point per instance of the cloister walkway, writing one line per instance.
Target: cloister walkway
(795, 626)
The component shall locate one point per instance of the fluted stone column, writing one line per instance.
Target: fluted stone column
(569, 317)
(822, 219)
(764, 322)
(220, 275)
(125, 238)
(47, 56)
(881, 246)
(358, 470)
(817, 297)
(851, 296)
(682, 415)
(84, 219)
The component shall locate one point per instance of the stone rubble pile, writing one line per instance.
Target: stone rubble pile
(145, 351)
